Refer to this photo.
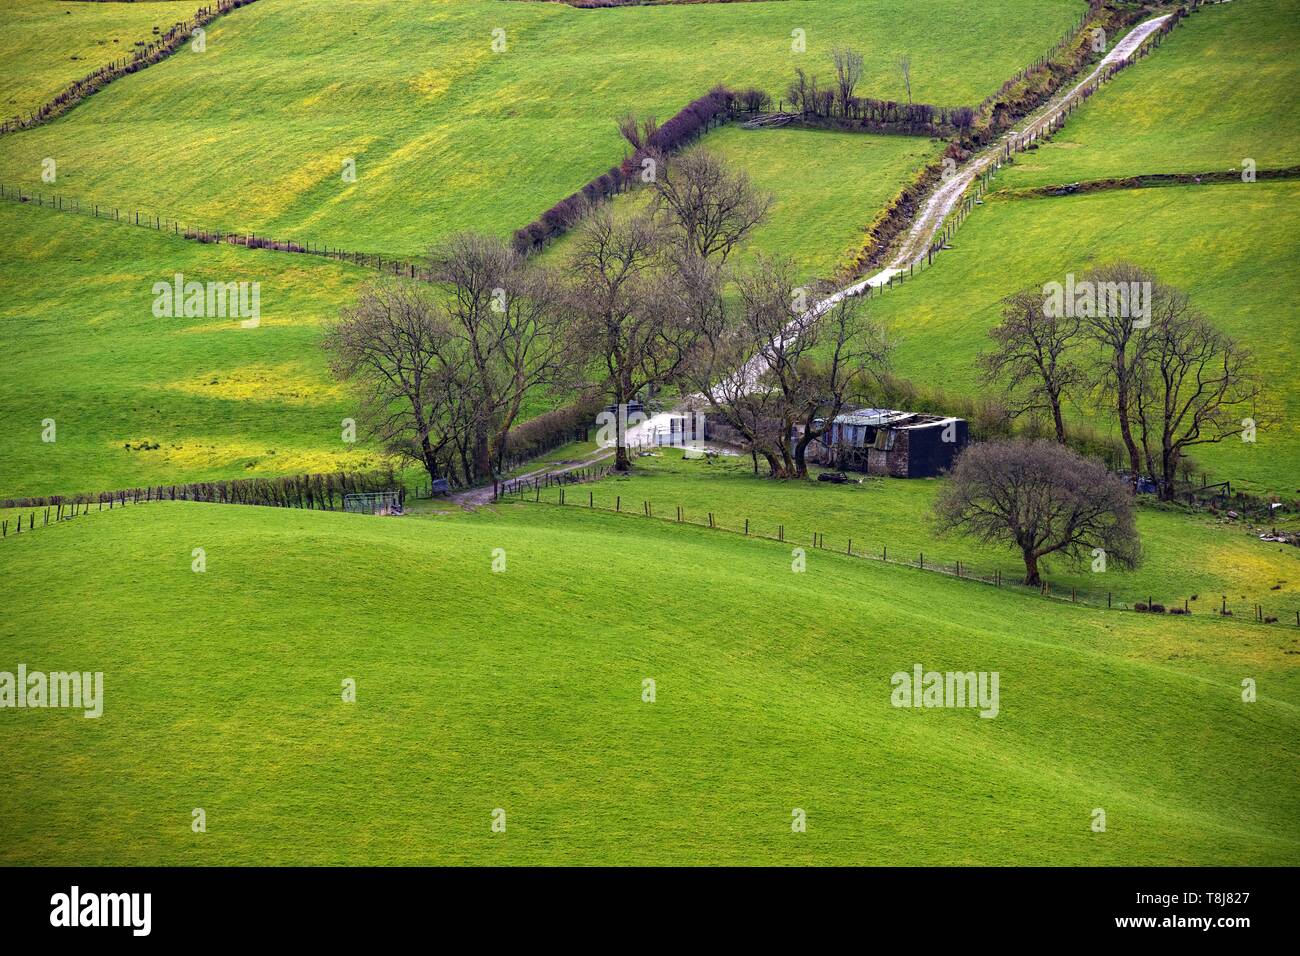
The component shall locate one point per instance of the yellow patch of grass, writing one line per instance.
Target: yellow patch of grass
(289, 383)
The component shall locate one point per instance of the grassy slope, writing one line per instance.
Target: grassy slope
(826, 188)
(45, 45)
(222, 692)
(81, 345)
(447, 135)
(1185, 554)
(1228, 246)
(1221, 88)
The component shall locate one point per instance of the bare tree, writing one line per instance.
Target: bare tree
(1197, 386)
(1034, 357)
(707, 208)
(638, 133)
(1042, 499)
(1116, 333)
(778, 371)
(626, 317)
(848, 73)
(905, 70)
(510, 319)
(396, 344)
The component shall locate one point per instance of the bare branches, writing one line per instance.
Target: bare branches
(707, 208)
(1035, 357)
(905, 71)
(1042, 499)
(848, 73)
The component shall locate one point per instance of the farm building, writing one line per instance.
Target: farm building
(882, 441)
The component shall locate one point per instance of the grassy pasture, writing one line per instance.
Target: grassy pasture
(1186, 554)
(1220, 89)
(45, 45)
(826, 188)
(1229, 246)
(81, 345)
(251, 135)
(479, 690)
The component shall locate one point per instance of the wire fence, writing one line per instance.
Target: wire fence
(562, 495)
(201, 234)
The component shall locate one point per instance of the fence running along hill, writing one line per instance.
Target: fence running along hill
(559, 495)
(142, 56)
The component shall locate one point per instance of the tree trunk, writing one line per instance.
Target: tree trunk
(1057, 420)
(1031, 568)
(800, 457)
(1126, 432)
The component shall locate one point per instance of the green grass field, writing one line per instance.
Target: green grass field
(1219, 90)
(1186, 553)
(826, 188)
(1228, 246)
(523, 691)
(83, 347)
(45, 45)
(447, 135)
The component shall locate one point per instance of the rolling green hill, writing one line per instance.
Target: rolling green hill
(523, 691)
(1186, 554)
(826, 188)
(82, 346)
(1229, 246)
(447, 135)
(1220, 89)
(45, 45)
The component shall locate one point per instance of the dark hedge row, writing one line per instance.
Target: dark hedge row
(683, 128)
(147, 55)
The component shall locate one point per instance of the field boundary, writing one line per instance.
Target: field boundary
(168, 43)
(530, 492)
(1142, 181)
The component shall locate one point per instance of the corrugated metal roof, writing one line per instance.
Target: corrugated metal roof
(874, 417)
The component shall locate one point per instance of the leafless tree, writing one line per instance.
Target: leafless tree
(1197, 386)
(637, 132)
(397, 346)
(628, 319)
(1042, 499)
(1035, 358)
(799, 91)
(905, 70)
(779, 370)
(510, 319)
(848, 73)
(1117, 334)
(706, 207)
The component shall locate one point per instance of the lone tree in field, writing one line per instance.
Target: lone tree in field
(705, 207)
(1042, 499)
(905, 71)
(1035, 357)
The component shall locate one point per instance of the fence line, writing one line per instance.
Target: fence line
(531, 492)
(142, 56)
(318, 492)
